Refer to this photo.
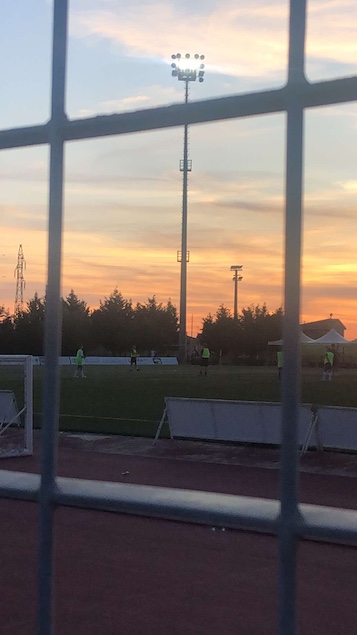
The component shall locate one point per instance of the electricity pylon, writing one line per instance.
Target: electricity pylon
(20, 280)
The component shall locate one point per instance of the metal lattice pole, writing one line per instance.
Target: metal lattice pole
(20, 281)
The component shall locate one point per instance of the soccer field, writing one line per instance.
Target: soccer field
(114, 399)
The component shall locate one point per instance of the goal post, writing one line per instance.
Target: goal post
(16, 405)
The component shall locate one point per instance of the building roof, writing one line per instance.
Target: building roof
(329, 324)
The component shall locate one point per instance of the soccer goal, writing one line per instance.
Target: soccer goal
(16, 405)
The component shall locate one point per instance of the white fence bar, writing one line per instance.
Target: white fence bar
(315, 522)
(291, 329)
(53, 322)
(238, 106)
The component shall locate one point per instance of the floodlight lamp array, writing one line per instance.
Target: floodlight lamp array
(188, 68)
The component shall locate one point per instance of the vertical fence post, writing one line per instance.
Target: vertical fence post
(291, 331)
(52, 322)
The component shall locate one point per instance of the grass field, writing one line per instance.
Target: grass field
(115, 400)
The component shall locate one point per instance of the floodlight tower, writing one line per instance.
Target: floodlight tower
(186, 69)
(20, 281)
(236, 278)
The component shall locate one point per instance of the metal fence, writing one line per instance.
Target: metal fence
(285, 518)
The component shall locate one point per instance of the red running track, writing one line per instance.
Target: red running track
(124, 575)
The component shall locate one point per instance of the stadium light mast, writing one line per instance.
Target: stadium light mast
(236, 278)
(20, 281)
(187, 69)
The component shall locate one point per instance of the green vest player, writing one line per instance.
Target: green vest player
(79, 373)
(205, 355)
(134, 358)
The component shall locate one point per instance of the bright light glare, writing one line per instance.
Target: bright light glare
(191, 64)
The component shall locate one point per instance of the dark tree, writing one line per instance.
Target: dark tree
(275, 325)
(29, 327)
(259, 326)
(155, 326)
(112, 325)
(220, 332)
(246, 337)
(76, 324)
(207, 334)
(7, 333)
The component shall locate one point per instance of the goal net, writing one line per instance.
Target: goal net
(16, 405)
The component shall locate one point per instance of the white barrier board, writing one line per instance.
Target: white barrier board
(256, 422)
(8, 408)
(112, 361)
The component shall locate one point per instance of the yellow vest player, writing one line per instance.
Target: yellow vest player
(79, 373)
(134, 358)
(205, 355)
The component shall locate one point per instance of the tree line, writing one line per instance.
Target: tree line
(244, 338)
(114, 327)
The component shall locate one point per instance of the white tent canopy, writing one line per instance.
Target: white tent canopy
(304, 339)
(332, 337)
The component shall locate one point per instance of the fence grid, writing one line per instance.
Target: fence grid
(287, 519)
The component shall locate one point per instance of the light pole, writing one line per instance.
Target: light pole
(186, 69)
(236, 278)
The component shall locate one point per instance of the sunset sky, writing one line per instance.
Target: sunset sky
(123, 195)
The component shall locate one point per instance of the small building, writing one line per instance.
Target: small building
(321, 327)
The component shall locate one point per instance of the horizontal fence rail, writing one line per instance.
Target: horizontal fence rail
(316, 522)
(309, 95)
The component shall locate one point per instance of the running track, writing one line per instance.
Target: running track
(136, 576)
